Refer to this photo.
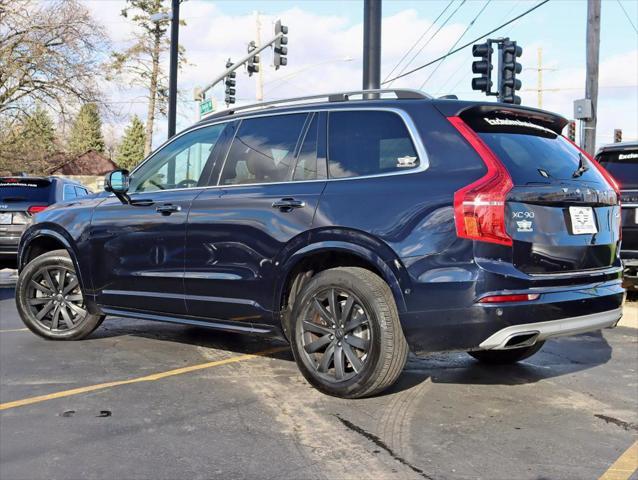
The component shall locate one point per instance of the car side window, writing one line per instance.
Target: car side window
(180, 163)
(368, 142)
(308, 167)
(263, 150)
(80, 192)
(69, 192)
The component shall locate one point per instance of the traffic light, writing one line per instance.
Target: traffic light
(230, 83)
(571, 130)
(483, 67)
(280, 45)
(617, 135)
(509, 84)
(253, 62)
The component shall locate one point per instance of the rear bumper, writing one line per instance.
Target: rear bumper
(467, 328)
(9, 246)
(539, 331)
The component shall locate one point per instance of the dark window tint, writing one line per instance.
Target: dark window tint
(622, 165)
(25, 190)
(69, 192)
(368, 143)
(308, 168)
(263, 150)
(531, 152)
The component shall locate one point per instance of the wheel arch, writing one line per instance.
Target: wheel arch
(315, 257)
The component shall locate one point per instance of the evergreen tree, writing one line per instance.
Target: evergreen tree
(27, 145)
(86, 133)
(131, 149)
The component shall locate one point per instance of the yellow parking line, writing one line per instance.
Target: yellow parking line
(625, 466)
(147, 378)
(15, 330)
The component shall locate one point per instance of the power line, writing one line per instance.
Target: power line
(418, 40)
(467, 44)
(627, 15)
(425, 44)
(457, 41)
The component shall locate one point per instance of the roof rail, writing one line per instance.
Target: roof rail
(372, 94)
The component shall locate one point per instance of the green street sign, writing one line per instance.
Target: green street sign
(206, 106)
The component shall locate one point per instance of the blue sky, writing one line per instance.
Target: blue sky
(325, 50)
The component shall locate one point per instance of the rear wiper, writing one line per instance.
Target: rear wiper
(582, 166)
(14, 199)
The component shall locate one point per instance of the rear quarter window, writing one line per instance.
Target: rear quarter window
(364, 143)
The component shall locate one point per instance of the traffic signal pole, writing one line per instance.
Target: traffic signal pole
(371, 44)
(238, 64)
(591, 81)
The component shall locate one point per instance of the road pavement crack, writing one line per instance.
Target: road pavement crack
(381, 444)
(621, 423)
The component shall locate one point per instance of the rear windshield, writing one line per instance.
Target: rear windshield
(531, 152)
(623, 166)
(24, 190)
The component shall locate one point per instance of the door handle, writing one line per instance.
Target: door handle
(287, 204)
(168, 208)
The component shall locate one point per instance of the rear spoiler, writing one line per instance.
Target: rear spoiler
(549, 120)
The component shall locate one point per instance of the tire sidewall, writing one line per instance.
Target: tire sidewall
(55, 258)
(377, 322)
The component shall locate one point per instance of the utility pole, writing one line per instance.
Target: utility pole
(539, 82)
(591, 81)
(172, 80)
(259, 87)
(371, 44)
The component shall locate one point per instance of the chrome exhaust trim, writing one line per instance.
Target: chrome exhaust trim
(530, 333)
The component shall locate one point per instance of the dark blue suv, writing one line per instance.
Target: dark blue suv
(356, 229)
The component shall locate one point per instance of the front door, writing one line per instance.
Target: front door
(138, 248)
(268, 191)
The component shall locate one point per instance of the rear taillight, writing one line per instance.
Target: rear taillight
(479, 208)
(517, 297)
(33, 209)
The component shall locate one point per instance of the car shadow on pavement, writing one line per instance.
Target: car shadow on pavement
(558, 357)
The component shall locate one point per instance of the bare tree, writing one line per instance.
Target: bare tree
(141, 63)
(49, 55)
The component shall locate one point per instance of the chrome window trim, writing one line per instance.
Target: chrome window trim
(424, 162)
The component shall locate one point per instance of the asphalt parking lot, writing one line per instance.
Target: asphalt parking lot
(144, 400)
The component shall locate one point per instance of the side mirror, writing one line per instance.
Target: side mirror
(117, 182)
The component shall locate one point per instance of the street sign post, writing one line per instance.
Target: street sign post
(206, 106)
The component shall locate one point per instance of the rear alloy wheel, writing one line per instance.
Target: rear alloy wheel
(504, 357)
(347, 338)
(50, 301)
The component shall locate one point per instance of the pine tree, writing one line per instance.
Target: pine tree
(86, 133)
(131, 150)
(27, 145)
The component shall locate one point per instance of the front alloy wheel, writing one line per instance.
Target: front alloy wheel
(50, 301)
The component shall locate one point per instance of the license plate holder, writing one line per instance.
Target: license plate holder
(5, 218)
(583, 220)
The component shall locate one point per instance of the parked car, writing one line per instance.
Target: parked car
(356, 229)
(20, 199)
(621, 160)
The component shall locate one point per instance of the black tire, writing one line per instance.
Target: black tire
(367, 350)
(43, 309)
(504, 357)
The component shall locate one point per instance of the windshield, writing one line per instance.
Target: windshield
(623, 166)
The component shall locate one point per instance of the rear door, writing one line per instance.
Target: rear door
(20, 199)
(562, 214)
(268, 190)
(622, 164)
